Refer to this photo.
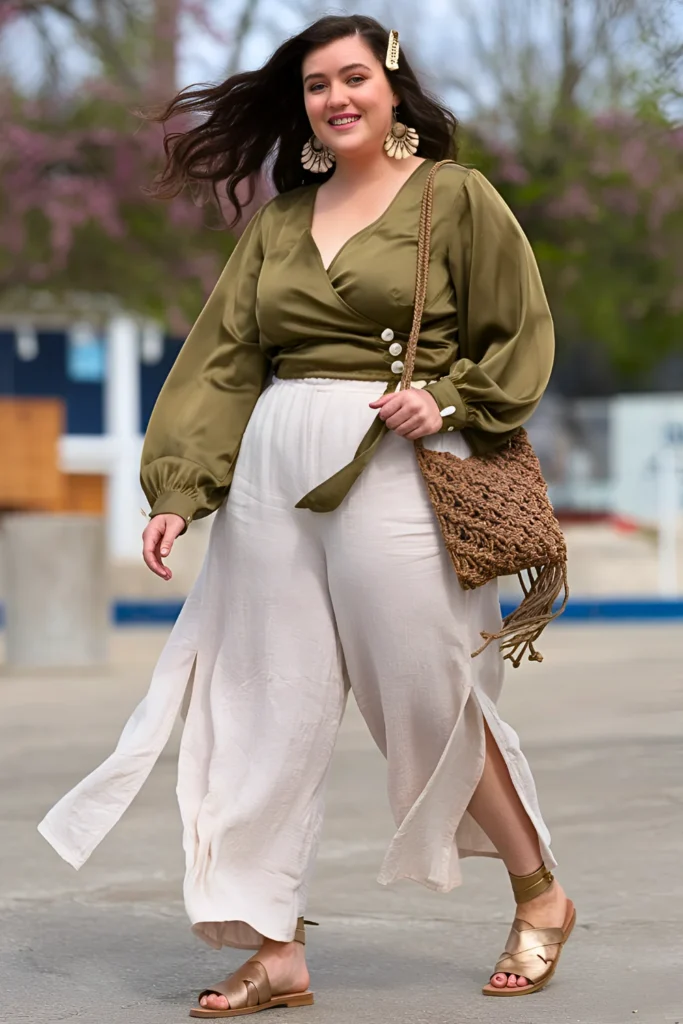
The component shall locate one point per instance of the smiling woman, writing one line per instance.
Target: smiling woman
(286, 411)
(263, 116)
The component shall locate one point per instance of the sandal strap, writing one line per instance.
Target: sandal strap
(524, 937)
(300, 933)
(526, 951)
(524, 965)
(528, 887)
(248, 986)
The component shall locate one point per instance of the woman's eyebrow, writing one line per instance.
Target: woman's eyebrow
(347, 67)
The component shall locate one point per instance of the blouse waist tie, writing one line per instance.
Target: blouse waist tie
(328, 495)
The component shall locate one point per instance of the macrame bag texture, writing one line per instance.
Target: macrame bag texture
(493, 509)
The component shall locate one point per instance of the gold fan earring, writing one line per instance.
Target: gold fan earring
(316, 156)
(402, 141)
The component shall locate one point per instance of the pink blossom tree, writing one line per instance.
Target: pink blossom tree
(604, 212)
(74, 160)
(590, 160)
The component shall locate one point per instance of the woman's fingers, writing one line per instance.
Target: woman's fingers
(150, 547)
(380, 402)
(391, 405)
(413, 428)
(410, 413)
(417, 432)
(174, 527)
(404, 415)
(157, 541)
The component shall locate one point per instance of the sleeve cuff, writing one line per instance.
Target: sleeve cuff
(175, 503)
(451, 406)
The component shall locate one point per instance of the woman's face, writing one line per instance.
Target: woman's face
(348, 97)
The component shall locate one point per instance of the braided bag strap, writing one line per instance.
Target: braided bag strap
(421, 274)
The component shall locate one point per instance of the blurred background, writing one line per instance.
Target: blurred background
(571, 107)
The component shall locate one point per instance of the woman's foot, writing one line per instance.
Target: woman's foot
(548, 910)
(285, 963)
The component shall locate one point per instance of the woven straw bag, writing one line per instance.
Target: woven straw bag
(493, 510)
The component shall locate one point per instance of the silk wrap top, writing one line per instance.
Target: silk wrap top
(485, 350)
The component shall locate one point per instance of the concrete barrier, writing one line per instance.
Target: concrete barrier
(56, 597)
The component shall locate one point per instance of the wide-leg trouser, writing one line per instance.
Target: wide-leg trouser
(291, 608)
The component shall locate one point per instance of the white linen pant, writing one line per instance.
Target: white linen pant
(292, 607)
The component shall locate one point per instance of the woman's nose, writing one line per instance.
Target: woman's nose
(338, 100)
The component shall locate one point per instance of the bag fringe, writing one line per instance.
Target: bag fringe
(523, 626)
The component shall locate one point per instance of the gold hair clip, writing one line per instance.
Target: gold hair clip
(392, 51)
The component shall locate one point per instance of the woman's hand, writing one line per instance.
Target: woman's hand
(157, 541)
(412, 413)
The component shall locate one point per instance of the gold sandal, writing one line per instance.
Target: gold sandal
(526, 950)
(248, 989)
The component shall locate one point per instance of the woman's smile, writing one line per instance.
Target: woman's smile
(343, 122)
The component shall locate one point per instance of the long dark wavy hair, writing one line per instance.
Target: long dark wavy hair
(258, 117)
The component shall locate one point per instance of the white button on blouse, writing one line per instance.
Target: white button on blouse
(387, 334)
(448, 410)
(397, 366)
(395, 349)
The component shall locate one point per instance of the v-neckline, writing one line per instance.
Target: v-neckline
(361, 231)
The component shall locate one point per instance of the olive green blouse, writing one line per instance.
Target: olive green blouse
(486, 345)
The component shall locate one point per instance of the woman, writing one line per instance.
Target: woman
(325, 567)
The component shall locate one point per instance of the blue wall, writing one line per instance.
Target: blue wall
(152, 377)
(47, 376)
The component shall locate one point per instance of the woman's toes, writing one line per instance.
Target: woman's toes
(499, 980)
(216, 1003)
(512, 981)
(521, 982)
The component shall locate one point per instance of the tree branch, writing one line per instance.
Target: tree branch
(245, 23)
(96, 34)
(50, 51)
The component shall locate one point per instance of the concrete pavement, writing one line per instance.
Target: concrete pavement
(601, 723)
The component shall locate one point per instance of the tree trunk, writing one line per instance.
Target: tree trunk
(570, 74)
(165, 29)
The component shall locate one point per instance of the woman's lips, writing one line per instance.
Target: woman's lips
(344, 127)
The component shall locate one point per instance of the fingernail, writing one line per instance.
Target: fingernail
(164, 551)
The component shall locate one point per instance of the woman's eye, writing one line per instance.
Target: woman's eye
(353, 80)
